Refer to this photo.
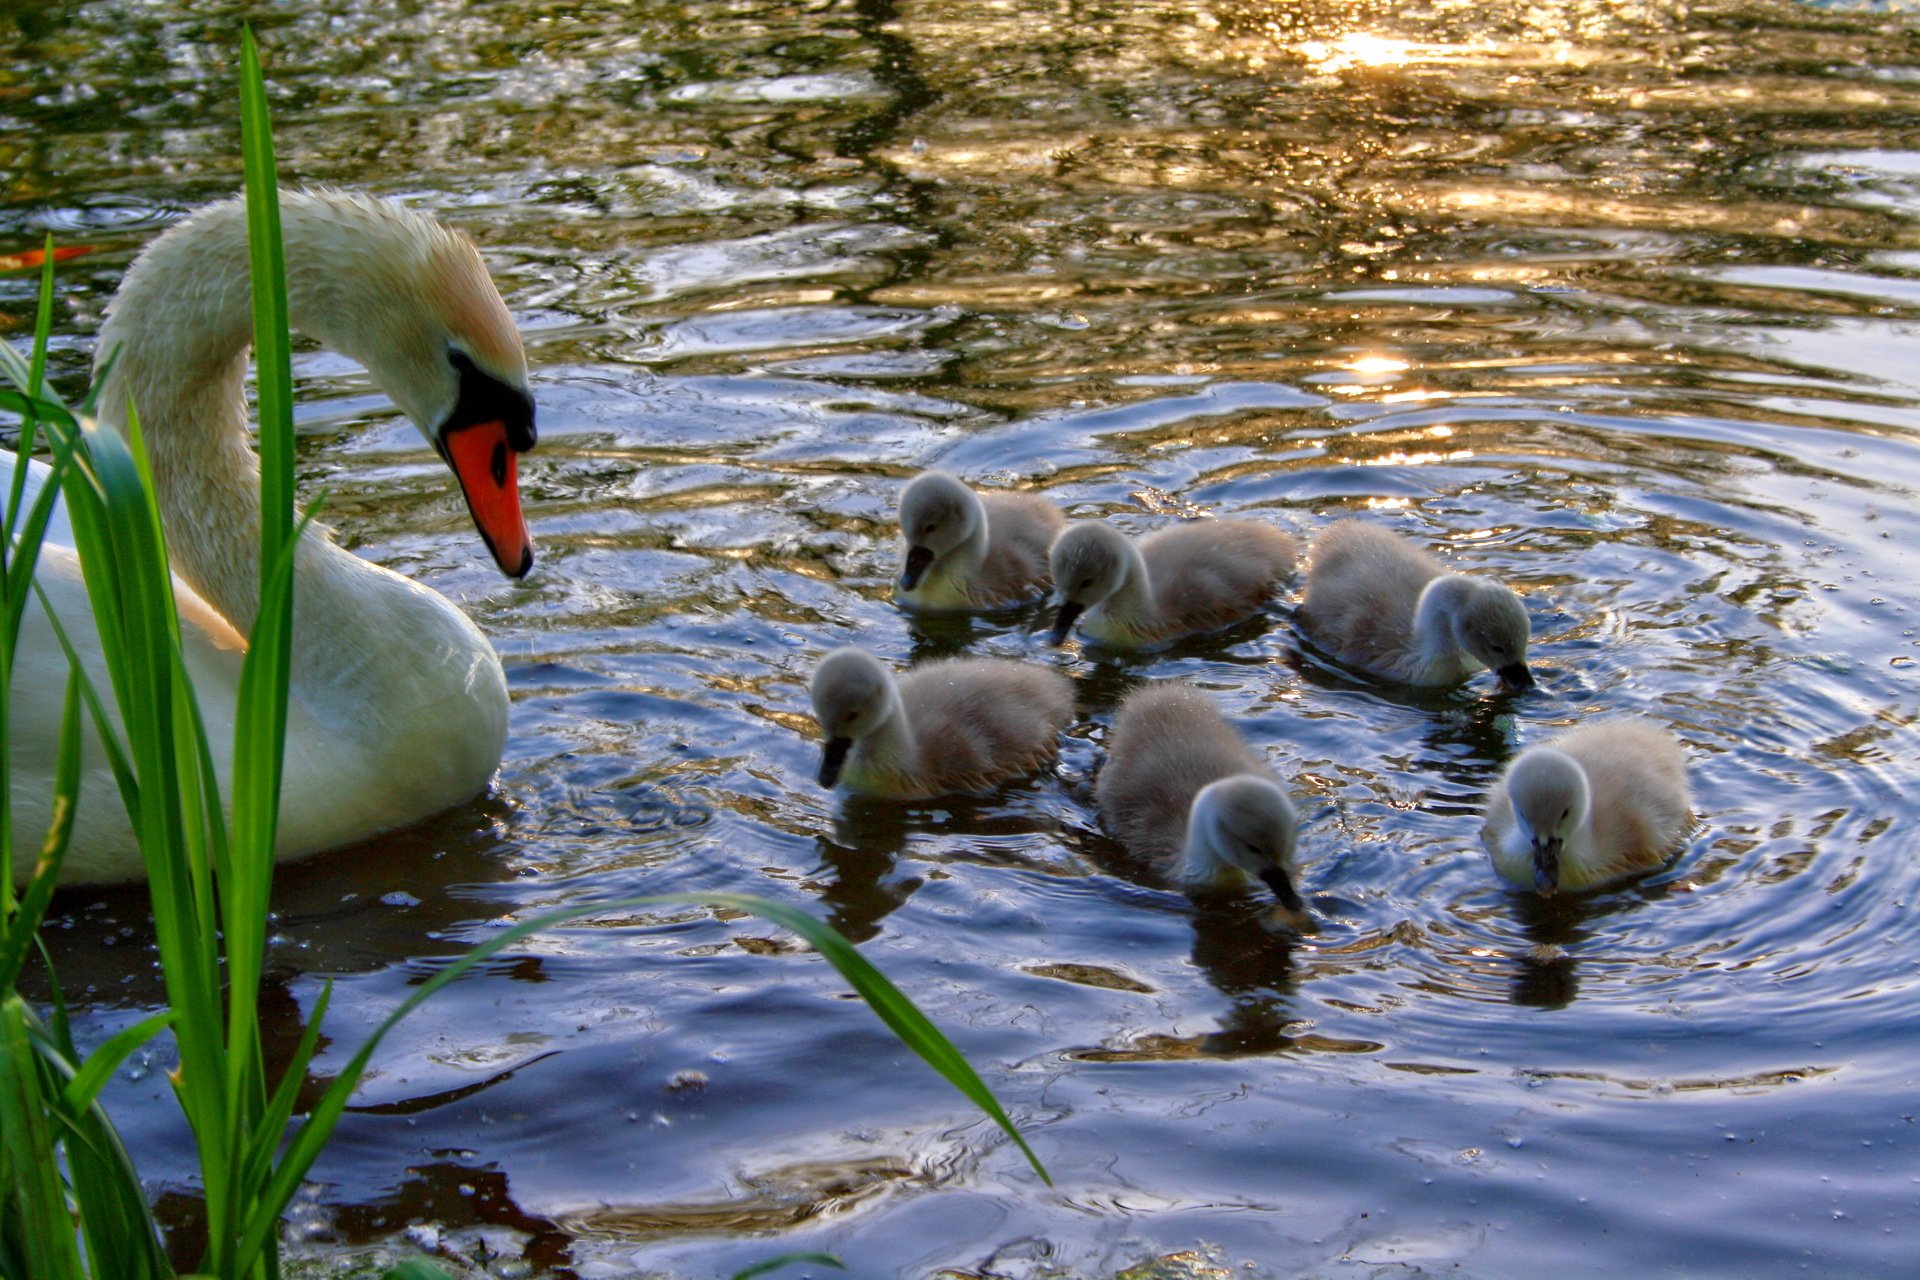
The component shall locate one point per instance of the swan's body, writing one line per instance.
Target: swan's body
(963, 725)
(1191, 578)
(1379, 603)
(967, 550)
(1180, 787)
(398, 706)
(1588, 807)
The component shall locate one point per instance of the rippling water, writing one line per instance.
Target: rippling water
(1616, 300)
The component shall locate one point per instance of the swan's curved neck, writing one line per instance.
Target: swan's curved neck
(372, 651)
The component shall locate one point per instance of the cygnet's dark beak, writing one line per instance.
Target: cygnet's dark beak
(1070, 611)
(1546, 865)
(1515, 677)
(834, 758)
(1290, 911)
(919, 560)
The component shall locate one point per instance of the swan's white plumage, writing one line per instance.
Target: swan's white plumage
(1377, 602)
(943, 728)
(1593, 805)
(398, 705)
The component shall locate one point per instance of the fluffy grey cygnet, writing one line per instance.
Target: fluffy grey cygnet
(1591, 806)
(967, 550)
(963, 725)
(1180, 787)
(1195, 577)
(1377, 602)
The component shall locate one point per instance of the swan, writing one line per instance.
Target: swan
(398, 705)
(1377, 602)
(967, 550)
(1190, 578)
(962, 725)
(1182, 789)
(1591, 806)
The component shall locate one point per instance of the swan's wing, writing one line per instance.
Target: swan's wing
(59, 532)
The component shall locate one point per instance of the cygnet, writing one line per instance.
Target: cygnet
(1180, 787)
(1593, 805)
(1191, 578)
(1377, 602)
(967, 550)
(963, 725)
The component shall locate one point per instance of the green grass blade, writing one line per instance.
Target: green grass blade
(882, 996)
(258, 1166)
(788, 1259)
(18, 370)
(84, 1089)
(31, 1194)
(122, 1240)
(66, 793)
(416, 1269)
(900, 1014)
(263, 694)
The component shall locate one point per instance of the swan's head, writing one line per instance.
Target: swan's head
(1245, 823)
(412, 301)
(1090, 562)
(1550, 798)
(1492, 626)
(853, 694)
(937, 514)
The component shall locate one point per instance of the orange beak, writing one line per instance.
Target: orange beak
(489, 473)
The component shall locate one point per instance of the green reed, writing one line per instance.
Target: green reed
(71, 1205)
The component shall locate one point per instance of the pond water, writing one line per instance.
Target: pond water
(1617, 300)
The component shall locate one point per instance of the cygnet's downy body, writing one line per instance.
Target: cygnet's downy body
(1378, 603)
(959, 726)
(1181, 788)
(1594, 805)
(968, 550)
(1192, 578)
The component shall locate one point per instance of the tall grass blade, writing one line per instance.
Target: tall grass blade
(12, 561)
(900, 1014)
(121, 1239)
(35, 1219)
(788, 1259)
(32, 905)
(881, 995)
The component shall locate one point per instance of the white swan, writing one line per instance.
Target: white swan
(398, 705)
(1180, 787)
(1194, 577)
(1591, 806)
(962, 725)
(967, 550)
(1377, 602)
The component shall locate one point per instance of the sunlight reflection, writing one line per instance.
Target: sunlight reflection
(1358, 49)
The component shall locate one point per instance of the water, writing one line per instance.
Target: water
(1618, 301)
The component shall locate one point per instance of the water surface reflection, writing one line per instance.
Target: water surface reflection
(1613, 300)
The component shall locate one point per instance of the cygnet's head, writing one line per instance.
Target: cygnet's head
(1550, 798)
(853, 694)
(1090, 562)
(1492, 626)
(937, 514)
(1246, 822)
